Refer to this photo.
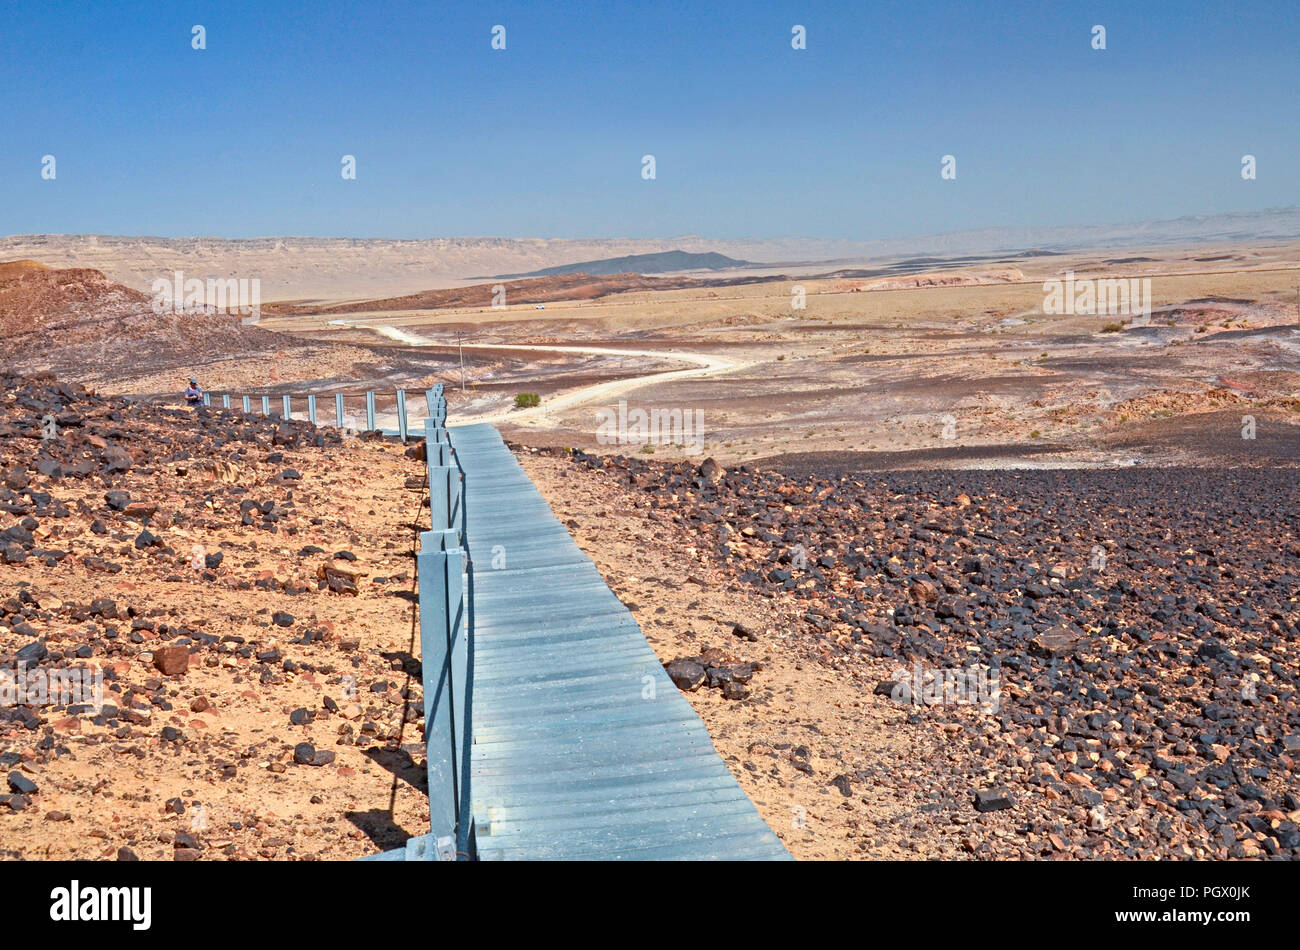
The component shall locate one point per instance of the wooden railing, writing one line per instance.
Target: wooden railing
(435, 402)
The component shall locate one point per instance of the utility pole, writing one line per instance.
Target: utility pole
(461, 345)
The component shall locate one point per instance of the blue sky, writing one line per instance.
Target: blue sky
(751, 137)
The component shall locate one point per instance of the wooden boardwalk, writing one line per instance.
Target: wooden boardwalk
(552, 730)
(582, 746)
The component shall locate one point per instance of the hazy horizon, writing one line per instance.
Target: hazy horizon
(1192, 228)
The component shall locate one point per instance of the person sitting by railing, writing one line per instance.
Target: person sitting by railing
(194, 394)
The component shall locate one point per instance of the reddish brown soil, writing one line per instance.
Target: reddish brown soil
(207, 752)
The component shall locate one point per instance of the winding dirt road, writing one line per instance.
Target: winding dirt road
(704, 365)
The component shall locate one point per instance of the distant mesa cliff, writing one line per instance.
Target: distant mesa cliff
(664, 262)
(341, 269)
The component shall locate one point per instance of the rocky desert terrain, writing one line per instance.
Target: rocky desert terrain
(946, 573)
(242, 591)
(949, 367)
(1134, 632)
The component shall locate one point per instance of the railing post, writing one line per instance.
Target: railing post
(311, 408)
(248, 406)
(445, 651)
(266, 405)
(370, 411)
(338, 410)
(225, 400)
(442, 649)
(440, 499)
(207, 399)
(453, 498)
(458, 623)
(436, 449)
(288, 408)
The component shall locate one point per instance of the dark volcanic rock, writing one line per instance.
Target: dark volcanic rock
(32, 653)
(686, 674)
(1146, 617)
(845, 785)
(733, 689)
(21, 784)
(117, 459)
(994, 799)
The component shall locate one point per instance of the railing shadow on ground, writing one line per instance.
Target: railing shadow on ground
(443, 571)
(444, 633)
(378, 825)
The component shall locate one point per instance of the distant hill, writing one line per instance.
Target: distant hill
(663, 262)
(81, 324)
(11, 269)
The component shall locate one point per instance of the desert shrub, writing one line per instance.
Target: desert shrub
(527, 400)
(1112, 328)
